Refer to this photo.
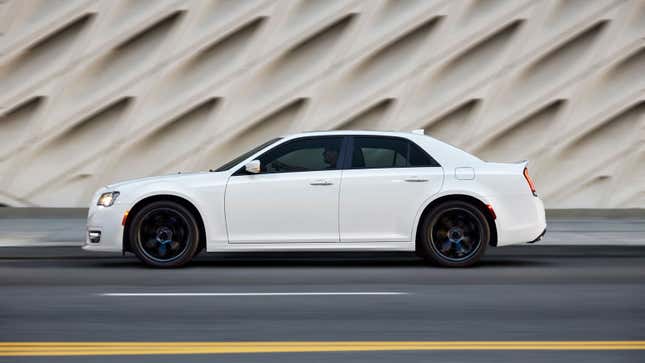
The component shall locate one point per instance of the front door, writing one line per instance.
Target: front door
(294, 198)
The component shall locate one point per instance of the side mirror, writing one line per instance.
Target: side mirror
(253, 167)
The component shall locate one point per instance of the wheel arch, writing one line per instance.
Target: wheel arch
(164, 197)
(476, 201)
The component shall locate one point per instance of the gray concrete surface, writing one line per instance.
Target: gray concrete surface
(516, 293)
(56, 227)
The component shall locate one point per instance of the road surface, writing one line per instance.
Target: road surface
(517, 294)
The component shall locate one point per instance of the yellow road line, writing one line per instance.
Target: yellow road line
(8, 349)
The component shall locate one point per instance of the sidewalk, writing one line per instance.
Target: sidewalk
(51, 227)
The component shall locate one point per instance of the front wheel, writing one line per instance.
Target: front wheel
(454, 234)
(164, 234)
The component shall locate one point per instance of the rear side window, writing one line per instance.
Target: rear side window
(419, 158)
(388, 152)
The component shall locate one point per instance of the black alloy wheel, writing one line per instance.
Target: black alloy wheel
(455, 234)
(164, 234)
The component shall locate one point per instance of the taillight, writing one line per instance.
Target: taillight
(530, 181)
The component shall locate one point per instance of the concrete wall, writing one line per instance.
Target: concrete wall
(96, 91)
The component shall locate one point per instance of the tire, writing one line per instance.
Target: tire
(454, 234)
(164, 234)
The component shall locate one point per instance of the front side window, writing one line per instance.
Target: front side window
(246, 155)
(309, 154)
(388, 152)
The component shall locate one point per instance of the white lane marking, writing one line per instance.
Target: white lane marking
(252, 293)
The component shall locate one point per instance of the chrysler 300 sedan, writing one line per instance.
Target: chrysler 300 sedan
(325, 191)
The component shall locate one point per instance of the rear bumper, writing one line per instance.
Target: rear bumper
(539, 238)
(520, 219)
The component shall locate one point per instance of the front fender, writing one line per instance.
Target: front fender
(207, 199)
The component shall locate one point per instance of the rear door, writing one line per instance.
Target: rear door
(387, 180)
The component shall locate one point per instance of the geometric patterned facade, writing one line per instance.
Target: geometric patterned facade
(92, 92)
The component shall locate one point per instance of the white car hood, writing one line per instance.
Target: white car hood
(154, 179)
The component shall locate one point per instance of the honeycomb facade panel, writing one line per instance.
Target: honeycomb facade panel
(92, 92)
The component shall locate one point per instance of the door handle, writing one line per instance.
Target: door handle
(415, 179)
(321, 182)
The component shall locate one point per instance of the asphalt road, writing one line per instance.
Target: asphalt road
(527, 293)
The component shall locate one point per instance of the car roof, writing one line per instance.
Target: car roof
(441, 151)
(352, 132)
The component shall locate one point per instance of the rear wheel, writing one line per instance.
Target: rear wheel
(164, 234)
(454, 234)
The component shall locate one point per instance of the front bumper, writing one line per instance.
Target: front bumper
(105, 223)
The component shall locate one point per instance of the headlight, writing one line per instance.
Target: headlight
(107, 199)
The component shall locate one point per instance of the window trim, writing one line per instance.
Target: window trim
(340, 164)
(350, 150)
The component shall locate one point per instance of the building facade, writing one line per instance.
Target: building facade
(93, 92)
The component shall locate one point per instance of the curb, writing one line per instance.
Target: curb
(634, 213)
(81, 213)
(38, 213)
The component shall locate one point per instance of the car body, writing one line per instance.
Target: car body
(374, 197)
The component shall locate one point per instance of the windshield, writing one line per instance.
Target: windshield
(246, 155)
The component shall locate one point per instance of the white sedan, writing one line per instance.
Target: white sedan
(325, 191)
